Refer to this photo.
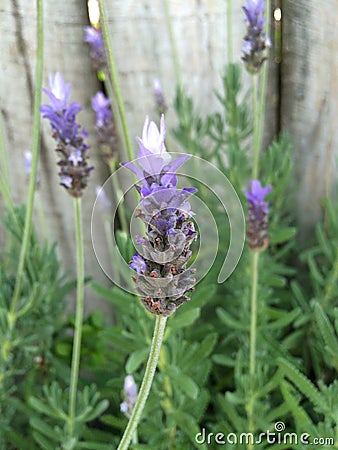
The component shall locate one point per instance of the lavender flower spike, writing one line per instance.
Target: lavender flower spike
(257, 232)
(162, 277)
(97, 50)
(105, 127)
(70, 145)
(256, 43)
(130, 396)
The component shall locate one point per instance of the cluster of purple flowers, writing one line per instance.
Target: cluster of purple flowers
(256, 42)
(105, 127)
(257, 232)
(162, 277)
(71, 147)
(97, 50)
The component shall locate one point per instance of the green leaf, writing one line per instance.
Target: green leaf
(184, 319)
(136, 359)
(43, 442)
(327, 332)
(286, 319)
(201, 296)
(189, 426)
(299, 296)
(230, 411)
(94, 446)
(98, 410)
(207, 345)
(303, 421)
(42, 408)
(117, 297)
(281, 235)
(230, 321)
(44, 429)
(183, 382)
(223, 360)
(303, 384)
(315, 271)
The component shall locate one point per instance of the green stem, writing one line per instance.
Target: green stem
(253, 335)
(74, 375)
(259, 104)
(172, 43)
(146, 383)
(257, 126)
(229, 31)
(35, 158)
(4, 155)
(115, 78)
(121, 210)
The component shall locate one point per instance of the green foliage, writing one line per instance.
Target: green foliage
(27, 357)
(203, 377)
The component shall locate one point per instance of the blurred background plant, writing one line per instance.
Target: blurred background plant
(202, 379)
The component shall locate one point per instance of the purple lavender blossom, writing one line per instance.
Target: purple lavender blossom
(71, 148)
(93, 37)
(154, 160)
(162, 278)
(101, 106)
(130, 396)
(160, 101)
(256, 43)
(105, 127)
(138, 264)
(257, 232)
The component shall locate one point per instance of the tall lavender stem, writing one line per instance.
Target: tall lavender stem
(74, 374)
(115, 79)
(35, 157)
(146, 383)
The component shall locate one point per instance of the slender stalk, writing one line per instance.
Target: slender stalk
(146, 383)
(35, 158)
(172, 43)
(4, 155)
(253, 316)
(74, 375)
(229, 31)
(121, 210)
(115, 78)
(253, 333)
(259, 104)
(257, 126)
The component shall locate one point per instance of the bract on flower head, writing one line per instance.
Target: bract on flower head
(257, 231)
(153, 166)
(258, 192)
(59, 92)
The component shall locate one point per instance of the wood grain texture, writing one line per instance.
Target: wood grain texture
(143, 51)
(309, 106)
(64, 52)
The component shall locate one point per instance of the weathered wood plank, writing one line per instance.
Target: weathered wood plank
(309, 100)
